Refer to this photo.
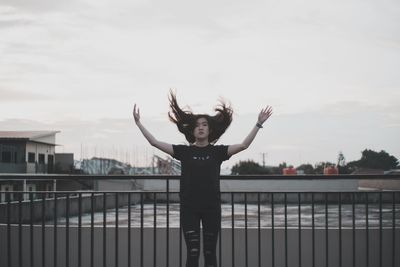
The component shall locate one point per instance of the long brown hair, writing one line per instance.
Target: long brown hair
(185, 120)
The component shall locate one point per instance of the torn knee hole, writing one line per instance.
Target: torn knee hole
(194, 252)
(192, 235)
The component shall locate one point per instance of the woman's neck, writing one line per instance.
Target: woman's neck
(201, 143)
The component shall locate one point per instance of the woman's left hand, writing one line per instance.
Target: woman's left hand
(264, 114)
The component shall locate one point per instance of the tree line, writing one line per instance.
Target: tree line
(369, 160)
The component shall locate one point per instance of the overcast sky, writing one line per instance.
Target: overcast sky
(329, 69)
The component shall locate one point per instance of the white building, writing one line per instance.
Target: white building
(27, 152)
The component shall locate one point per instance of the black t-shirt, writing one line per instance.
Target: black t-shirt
(200, 171)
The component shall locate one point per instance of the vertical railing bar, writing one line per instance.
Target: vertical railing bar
(219, 243)
(380, 228)
(80, 229)
(55, 230)
(180, 242)
(393, 228)
(245, 228)
(299, 238)
(367, 228)
(32, 255)
(313, 228)
(104, 229)
(92, 230)
(286, 234)
(273, 230)
(9, 260)
(167, 229)
(129, 228)
(326, 231)
(44, 230)
(155, 230)
(20, 230)
(116, 228)
(354, 228)
(233, 230)
(141, 229)
(259, 229)
(340, 229)
(67, 232)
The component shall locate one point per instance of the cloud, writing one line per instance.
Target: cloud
(15, 96)
(7, 23)
(37, 6)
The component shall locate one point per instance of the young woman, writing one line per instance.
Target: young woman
(200, 170)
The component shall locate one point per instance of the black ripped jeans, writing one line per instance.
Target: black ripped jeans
(211, 222)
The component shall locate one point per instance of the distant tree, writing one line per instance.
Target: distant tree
(278, 169)
(374, 160)
(248, 167)
(306, 168)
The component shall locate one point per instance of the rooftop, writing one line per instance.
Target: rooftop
(35, 136)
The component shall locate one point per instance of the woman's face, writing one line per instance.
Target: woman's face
(201, 130)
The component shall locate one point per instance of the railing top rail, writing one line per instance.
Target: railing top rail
(276, 192)
(82, 177)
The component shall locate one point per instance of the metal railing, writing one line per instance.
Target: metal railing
(259, 227)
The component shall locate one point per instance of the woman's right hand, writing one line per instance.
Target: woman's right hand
(136, 114)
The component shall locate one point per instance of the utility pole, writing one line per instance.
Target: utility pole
(263, 155)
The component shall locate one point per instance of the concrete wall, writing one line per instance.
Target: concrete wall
(116, 185)
(259, 186)
(268, 185)
(380, 184)
(37, 207)
(290, 185)
(175, 248)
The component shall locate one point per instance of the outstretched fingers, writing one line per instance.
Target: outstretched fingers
(268, 110)
(136, 113)
(265, 114)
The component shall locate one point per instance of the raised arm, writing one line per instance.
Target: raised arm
(262, 117)
(167, 148)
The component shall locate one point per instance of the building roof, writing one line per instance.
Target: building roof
(27, 135)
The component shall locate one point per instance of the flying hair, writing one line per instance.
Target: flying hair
(186, 120)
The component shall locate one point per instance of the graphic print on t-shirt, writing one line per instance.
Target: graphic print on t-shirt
(201, 158)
